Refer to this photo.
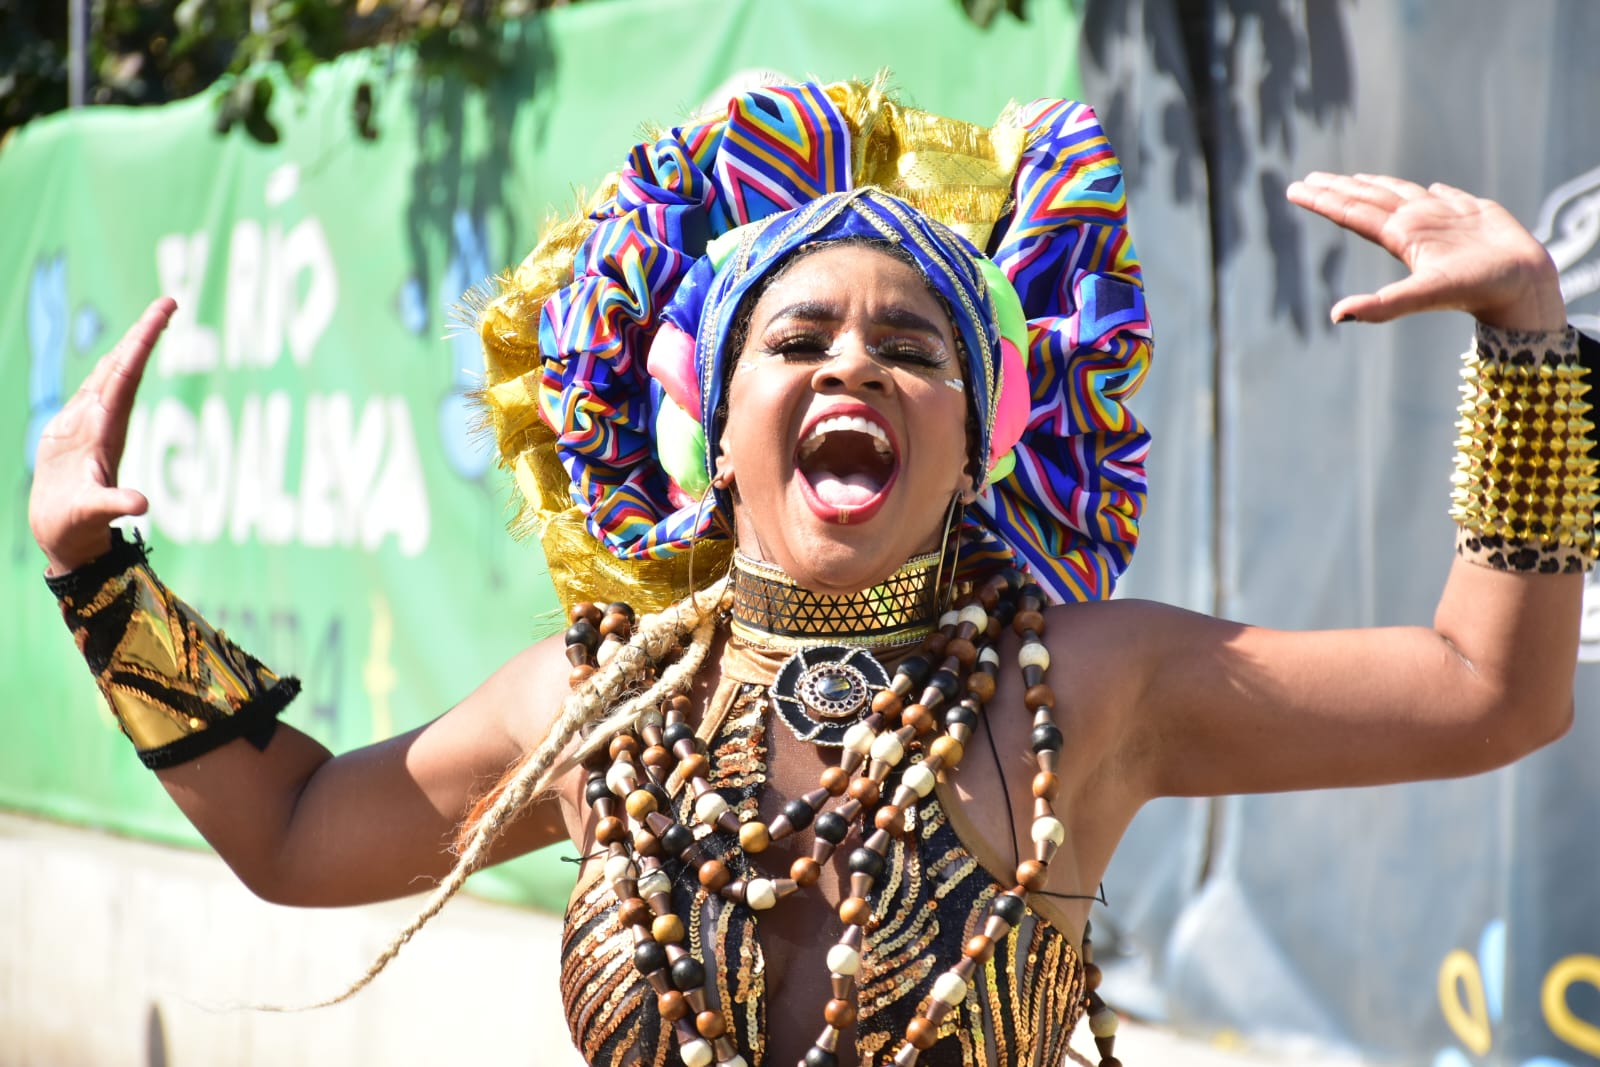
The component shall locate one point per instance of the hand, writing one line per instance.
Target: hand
(75, 494)
(1464, 253)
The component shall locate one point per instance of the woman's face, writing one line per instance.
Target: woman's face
(846, 435)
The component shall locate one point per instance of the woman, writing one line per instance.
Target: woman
(804, 838)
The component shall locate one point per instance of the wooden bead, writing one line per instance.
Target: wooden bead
(854, 911)
(667, 929)
(580, 674)
(865, 791)
(616, 625)
(586, 612)
(710, 1024)
(672, 1005)
(1028, 620)
(1039, 696)
(1031, 875)
(805, 870)
(918, 717)
(753, 837)
(695, 766)
(890, 818)
(981, 685)
(839, 1013)
(935, 643)
(1091, 977)
(657, 756)
(623, 743)
(965, 652)
(634, 912)
(611, 831)
(714, 875)
(646, 843)
(835, 781)
(948, 750)
(978, 947)
(921, 1033)
(887, 702)
(679, 702)
(1046, 785)
(641, 802)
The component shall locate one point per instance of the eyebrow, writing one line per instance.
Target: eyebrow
(899, 318)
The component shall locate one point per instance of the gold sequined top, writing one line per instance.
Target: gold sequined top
(932, 897)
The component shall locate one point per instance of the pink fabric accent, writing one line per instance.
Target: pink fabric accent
(1011, 412)
(671, 362)
(679, 498)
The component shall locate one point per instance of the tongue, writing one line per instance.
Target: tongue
(846, 490)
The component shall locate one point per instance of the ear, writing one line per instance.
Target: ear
(723, 479)
(968, 494)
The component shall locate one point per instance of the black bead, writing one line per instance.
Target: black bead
(832, 827)
(583, 633)
(1014, 579)
(663, 799)
(1031, 592)
(619, 608)
(1046, 738)
(1008, 907)
(675, 732)
(820, 1057)
(596, 790)
(865, 861)
(799, 814)
(649, 957)
(916, 668)
(945, 682)
(1004, 612)
(677, 838)
(961, 715)
(688, 974)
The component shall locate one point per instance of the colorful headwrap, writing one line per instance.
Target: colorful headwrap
(608, 419)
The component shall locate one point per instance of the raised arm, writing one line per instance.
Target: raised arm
(297, 824)
(1217, 707)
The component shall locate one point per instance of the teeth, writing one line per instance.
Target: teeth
(880, 440)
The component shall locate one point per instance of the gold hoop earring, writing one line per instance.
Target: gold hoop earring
(951, 533)
(699, 517)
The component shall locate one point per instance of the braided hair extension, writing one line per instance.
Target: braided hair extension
(601, 705)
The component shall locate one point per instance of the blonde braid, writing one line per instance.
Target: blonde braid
(588, 704)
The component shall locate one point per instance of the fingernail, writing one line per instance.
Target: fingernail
(1346, 317)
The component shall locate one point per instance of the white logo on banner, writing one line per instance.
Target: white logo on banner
(1569, 226)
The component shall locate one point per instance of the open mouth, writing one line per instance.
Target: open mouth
(847, 464)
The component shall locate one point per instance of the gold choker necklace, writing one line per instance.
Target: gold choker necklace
(770, 609)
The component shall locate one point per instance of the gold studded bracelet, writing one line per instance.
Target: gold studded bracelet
(178, 687)
(1525, 486)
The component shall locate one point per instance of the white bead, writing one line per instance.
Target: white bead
(696, 1053)
(919, 778)
(842, 959)
(975, 614)
(619, 867)
(987, 654)
(1103, 1023)
(620, 778)
(606, 652)
(653, 882)
(888, 749)
(1033, 654)
(736, 1061)
(1049, 829)
(650, 717)
(949, 618)
(949, 988)
(709, 807)
(859, 738)
(760, 893)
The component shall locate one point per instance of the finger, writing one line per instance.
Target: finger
(1445, 191)
(108, 505)
(135, 336)
(1359, 216)
(1407, 296)
(127, 360)
(1355, 186)
(1398, 186)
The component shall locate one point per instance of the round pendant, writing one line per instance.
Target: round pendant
(821, 692)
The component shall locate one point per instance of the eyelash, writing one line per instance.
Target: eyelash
(815, 346)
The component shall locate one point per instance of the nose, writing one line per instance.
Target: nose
(850, 367)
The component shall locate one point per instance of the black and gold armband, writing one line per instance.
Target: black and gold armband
(1525, 485)
(178, 687)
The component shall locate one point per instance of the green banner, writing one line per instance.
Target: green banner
(316, 485)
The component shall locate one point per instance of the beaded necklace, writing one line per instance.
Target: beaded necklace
(630, 787)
